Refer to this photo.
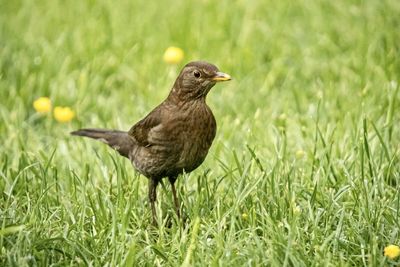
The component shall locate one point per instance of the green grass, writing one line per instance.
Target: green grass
(320, 77)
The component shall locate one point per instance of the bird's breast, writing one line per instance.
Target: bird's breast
(199, 128)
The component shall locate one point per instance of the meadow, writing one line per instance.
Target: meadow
(304, 170)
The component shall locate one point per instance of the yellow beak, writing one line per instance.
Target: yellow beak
(220, 77)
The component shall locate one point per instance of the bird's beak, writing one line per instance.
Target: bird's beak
(220, 77)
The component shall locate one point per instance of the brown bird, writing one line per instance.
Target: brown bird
(175, 136)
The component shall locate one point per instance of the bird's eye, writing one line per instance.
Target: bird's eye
(196, 74)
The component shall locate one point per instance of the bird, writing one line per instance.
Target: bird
(175, 137)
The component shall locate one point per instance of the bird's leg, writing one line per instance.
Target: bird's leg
(176, 201)
(153, 198)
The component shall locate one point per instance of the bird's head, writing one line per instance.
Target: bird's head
(196, 79)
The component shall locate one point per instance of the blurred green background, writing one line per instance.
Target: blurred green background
(304, 170)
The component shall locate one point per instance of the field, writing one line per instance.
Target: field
(305, 167)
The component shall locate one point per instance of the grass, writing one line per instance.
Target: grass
(305, 167)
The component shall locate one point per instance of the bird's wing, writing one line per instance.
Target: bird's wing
(155, 129)
(140, 131)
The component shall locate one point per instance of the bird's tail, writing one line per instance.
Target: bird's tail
(119, 140)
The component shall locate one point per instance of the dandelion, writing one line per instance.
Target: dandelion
(392, 251)
(300, 154)
(245, 216)
(282, 117)
(42, 105)
(296, 210)
(63, 114)
(173, 55)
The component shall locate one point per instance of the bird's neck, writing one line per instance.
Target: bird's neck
(181, 97)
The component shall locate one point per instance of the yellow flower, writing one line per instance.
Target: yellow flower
(63, 114)
(42, 104)
(245, 216)
(282, 117)
(173, 55)
(300, 154)
(392, 251)
(296, 210)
